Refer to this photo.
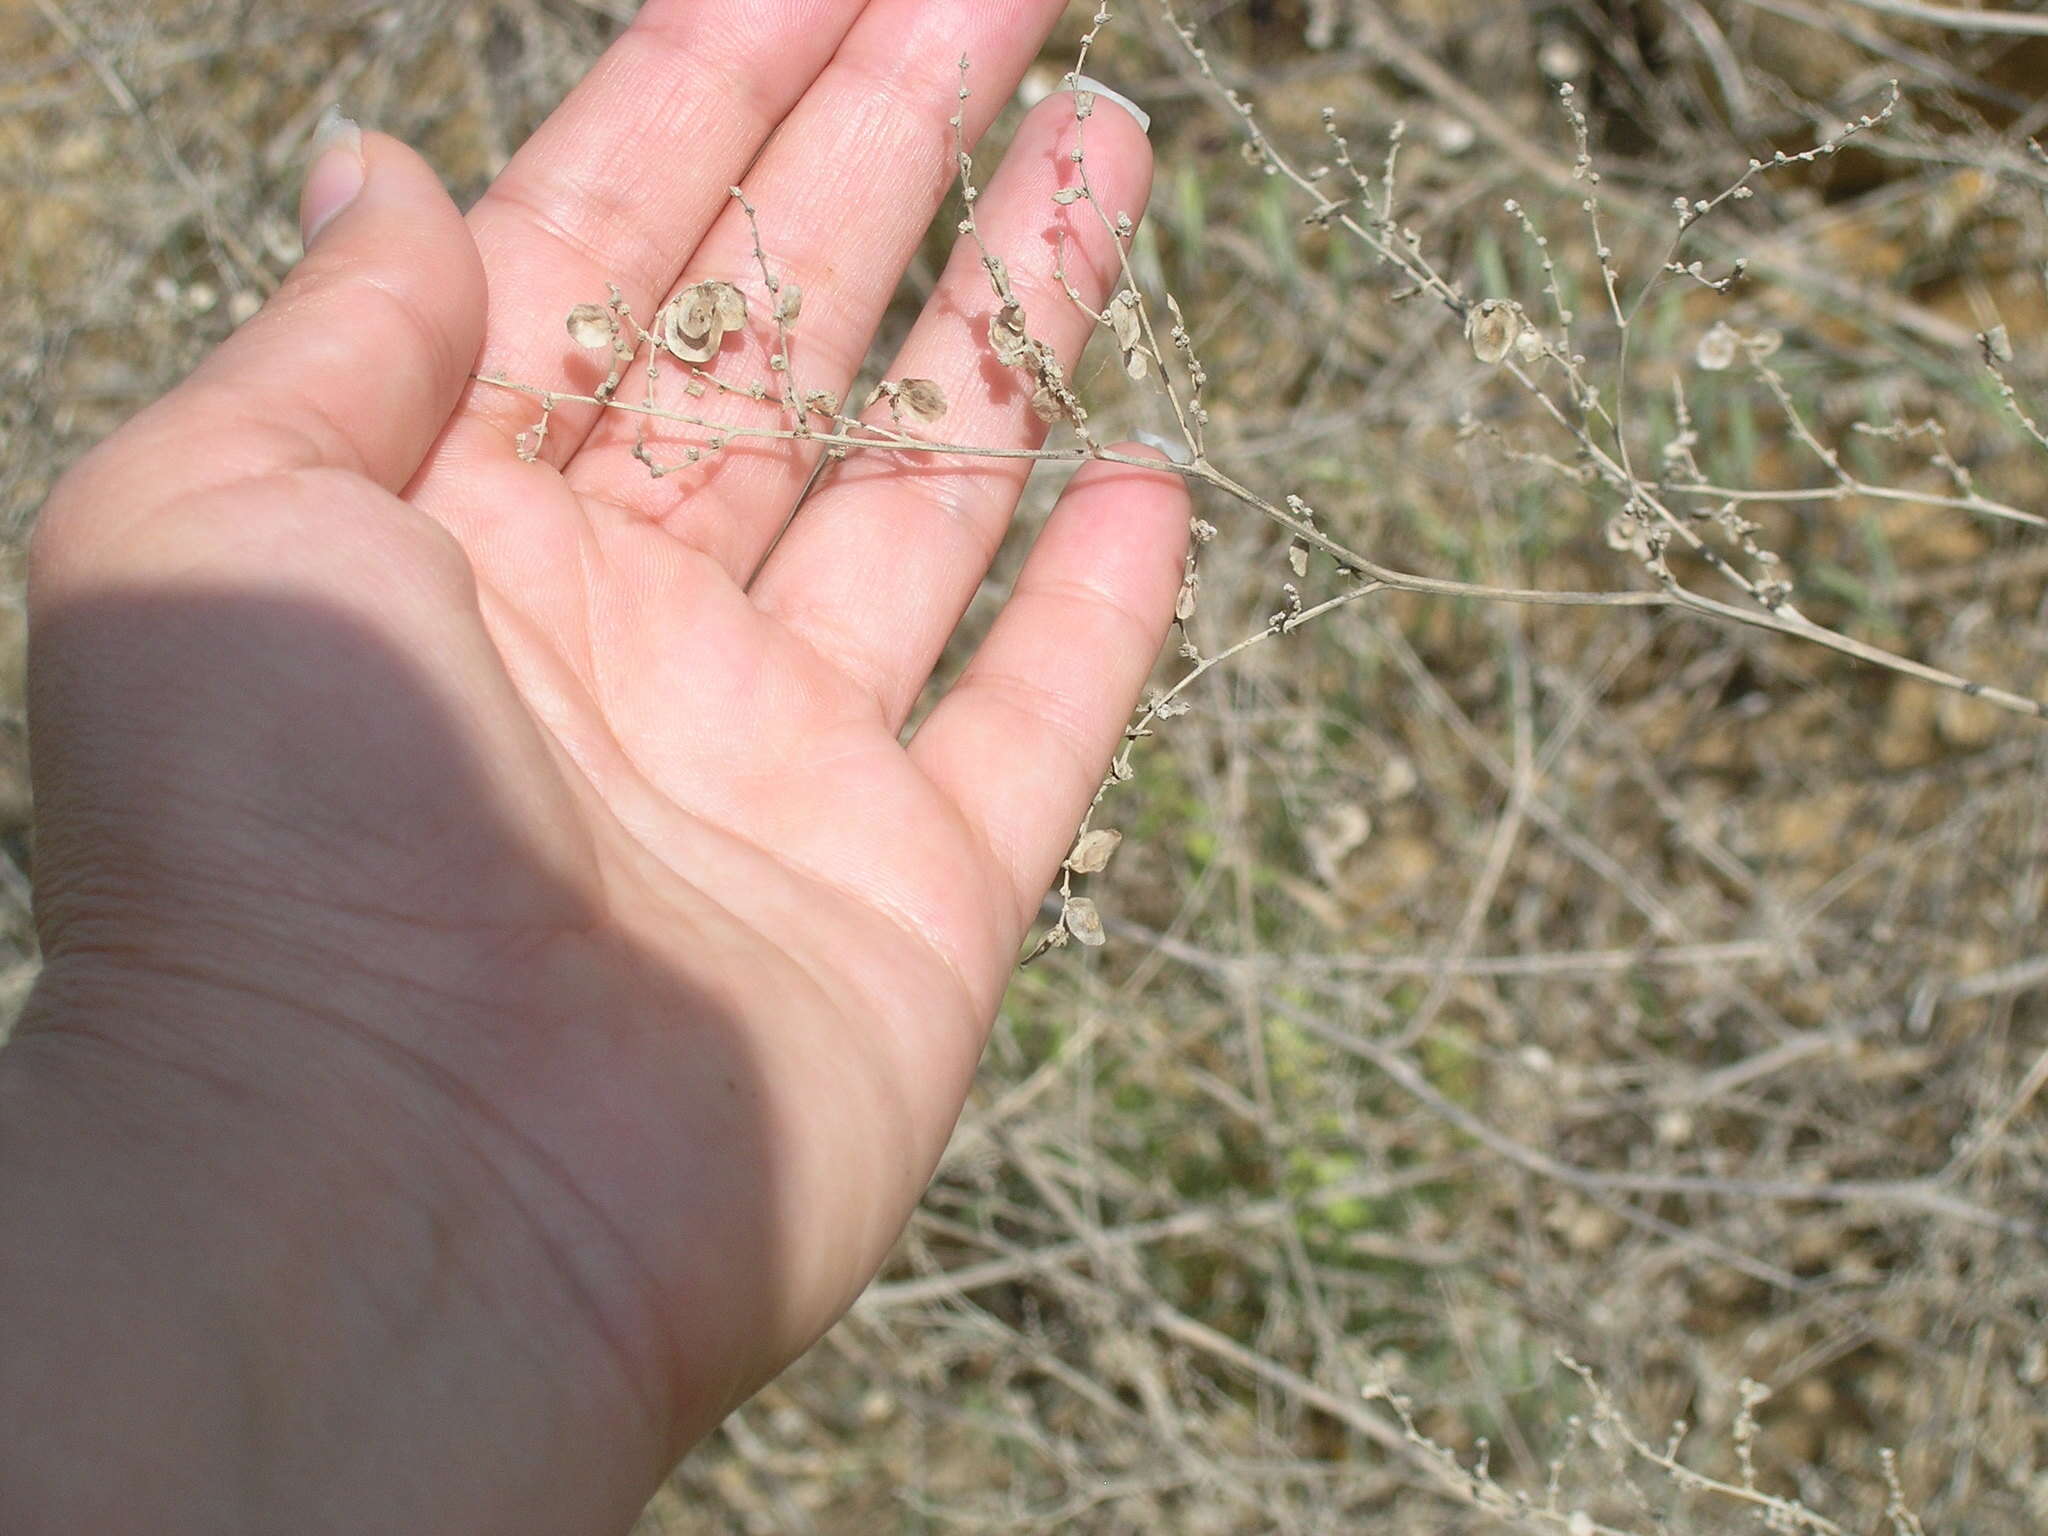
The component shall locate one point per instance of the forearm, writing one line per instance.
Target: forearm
(223, 1315)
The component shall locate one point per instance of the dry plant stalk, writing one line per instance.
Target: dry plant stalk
(1628, 1454)
(1686, 543)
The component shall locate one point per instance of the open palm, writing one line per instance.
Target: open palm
(558, 815)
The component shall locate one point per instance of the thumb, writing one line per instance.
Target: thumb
(361, 355)
(367, 347)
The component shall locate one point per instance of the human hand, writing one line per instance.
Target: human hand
(507, 979)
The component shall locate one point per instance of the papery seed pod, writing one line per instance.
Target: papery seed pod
(1624, 534)
(1127, 323)
(1334, 837)
(732, 305)
(1997, 344)
(592, 326)
(1529, 346)
(920, 401)
(999, 279)
(1297, 559)
(684, 328)
(697, 309)
(1092, 851)
(1716, 350)
(1180, 321)
(789, 303)
(1492, 328)
(1006, 336)
(1080, 918)
(700, 350)
(1046, 405)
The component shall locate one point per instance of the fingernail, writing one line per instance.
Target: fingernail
(1096, 87)
(1178, 452)
(335, 174)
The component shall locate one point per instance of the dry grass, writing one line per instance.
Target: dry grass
(1487, 984)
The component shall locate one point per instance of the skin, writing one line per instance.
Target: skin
(508, 976)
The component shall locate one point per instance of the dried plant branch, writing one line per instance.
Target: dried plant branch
(1497, 329)
(1956, 18)
(236, 262)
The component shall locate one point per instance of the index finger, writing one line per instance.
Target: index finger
(620, 183)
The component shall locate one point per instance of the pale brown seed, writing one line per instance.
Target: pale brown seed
(920, 401)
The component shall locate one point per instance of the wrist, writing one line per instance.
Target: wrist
(327, 1329)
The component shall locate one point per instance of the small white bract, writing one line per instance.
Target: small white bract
(1080, 918)
(592, 326)
(1627, 535)
(1716, 351)
(1092, 852)
(1492, 327)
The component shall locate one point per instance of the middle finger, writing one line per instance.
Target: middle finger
(623, 179)
(845, 191)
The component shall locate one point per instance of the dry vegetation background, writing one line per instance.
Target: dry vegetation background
(1487, 985)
